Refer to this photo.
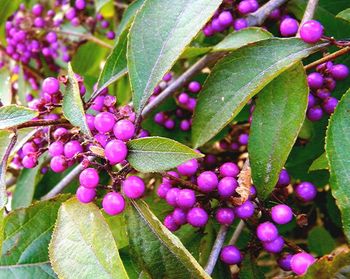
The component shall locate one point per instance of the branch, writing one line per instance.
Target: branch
(257, 18)
(65, 181)
(88, 37)
(38, 123)
(308, 14)
(214, 254)
(237, 232)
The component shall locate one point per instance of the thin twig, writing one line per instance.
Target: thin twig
(120, 5)
(188, 184)
(42, 122)
(257, 18)
(308, 14)
(215, 251)
(327, 58)
(88, 37)
(237, 232)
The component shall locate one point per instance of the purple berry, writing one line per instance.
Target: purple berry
(197, 217)
(163, 190)
(58, 163)
(301, 262)
(186, 198)
(29, 161)
(267, 232)
(229, 169)
(275, 246)
(89, 178)
(225, 216)
(245, 210)
(80, 4)
(227, 187)
(305, 191)
(185, 125)
(188, 168)
(289, 27)
(243, 139)
(98, 103)
(339, 72)
(56, 148)
(179, 216)
(72, 148)
(133, 187)
(37, 9)
(240, 23)
(169, 124)
(110, 35)
(85, 195)
(102, 139)
(170, 223)
(231, 255)
(207, 181)
(311, 31)
(315, 80)
(104, 122)
(169, 180)
(216, 25)
(323, 93)
(281, 214)
(245, 7)
(124, 129)
(70, 13)
(171, 196)
(51, 85)
(116, 151)
(167, 77)
(283, 179)
(159, 118)
(29, 147)
(51, 37)
(315, 113)
(284, 262)
(329, 105)
(113, 203)
(194, 86)
(225, 19)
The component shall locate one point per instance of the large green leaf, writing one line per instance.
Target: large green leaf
(27, 233)
(115, 66)
(156, 154)
(344, 15)
(321, 163)
(73, 108)
(278, 116)
(156, 249)
(100, 3)
(6, 138)
(238, 77)
(14, 115)
(82, 246)
(320, 241)
(7, 8)
(338, 154)
(5, 87)
(155, 45)
(22, 87)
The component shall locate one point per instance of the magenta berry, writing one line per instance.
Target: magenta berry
(197, 217)
(194, 86)
(281, 214)
(283, 179)
(306, 191)
(207, 181)
(275, 246)
(133, 187)
(104, 122)
(113, 203)
(89, 178)
(339, 72)
(163, 190)
(284, 262)
(231, 255)
(56, 148)
(225, 216)
(72, 148)
(188, 168)
(301, 262)
(179, 216)
(330, 104)
(267, 232)
(311, 31)
(58, 163)
(315, 113)
(116, 151)
(245, 210)
(289, 27)
(315, 80)
(51, 85)
(229, 169)
(186, 198)
(227, 187)
(124, 129)
(170, 223)
(29, 161)
(85, 195)
(171, 196)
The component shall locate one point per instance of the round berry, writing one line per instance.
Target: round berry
(183, 98)
(323, 93)
(240, 23)
(51, 85)
(116, 151)
(301, 262)
(89, 178)
(90, 120)
(225, 19)
(207, 181)
(186, 198)
(225, 216)
(29, 161)
(231, 255)
(281, 214)
(170, 180)
(185, 125)
(56, 148)
(80, 4)
(113, 203)
(284, 262)
(339, 72)
(315, 80)
(229, 169)
(170, 223)
(275, 246)
(245, 7)
(227, 187)
(171, 196)
(267, 232)
(306, 191)
(245, 210)
(29, 147)
(283, 179)
(102, 139)
(311, 101)
(169, 124)
(330, 104)
(58, 163)
(179, 216)
(289, 27)
(72, 148)
(104, 122)
(133, 187)
(163, 190)
(315, 113)
(194, 86)
(311, 31)
(243, 139)
(188, 168)
(124, 129)
(197, 217)
(98, 103)
(85, 195)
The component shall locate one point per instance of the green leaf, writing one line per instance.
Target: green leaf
(320, 242)
(22, 87)
(156, 249)
(27, 233)
(6, 139)
(82, 246)
(344, 15)
(115, 66)
(155, 45)
(128, 16)
(337, 266)
(191, 52)
(117, 225)
(338, 154)
(241, 38)
(100, 3)
(236, 78)
(156, 154)
(5, 87)
(250, 269)
(321, 163)
(278, 116)
(14, 115)
(8, 7)
(73, 108)
(26, 184)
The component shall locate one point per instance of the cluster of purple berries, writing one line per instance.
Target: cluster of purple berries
(236, 141)
(321, 84)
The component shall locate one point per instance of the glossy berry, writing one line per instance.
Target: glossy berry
(124, 129)
(113, 203)
(306, 191)
(225, 216)
(231, 255)
(243, 139)
(330, 104)
(29, 161)
(133, 187)
(89, 178)
(289, 27)
(229, 169)
(245, 7)
(170, 223)
(186, 198)
(315, 113)
(301, 262)
(227, 187)
(29, 147)
(116, 151)
(51, 85)
(284, 262)
(311, 31)
(179, 216)
(163, 190)
(188, 168)
(194, 86)
(58, 163)
(339, 72)
(275, 246)
(245, 210)
(104, 122)
(171, 196)
(240, 23)
(267, 232)
(85, 195)
(72, 148)
(283, 179)
(197, 217)
(207, 181)
(56, 148)
(225, 18)
(281, 214)
(315, 80)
